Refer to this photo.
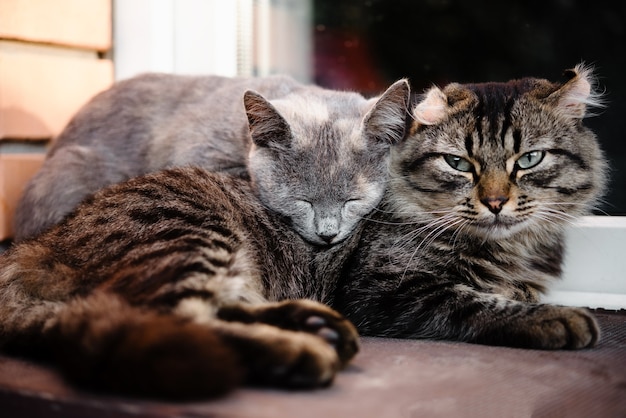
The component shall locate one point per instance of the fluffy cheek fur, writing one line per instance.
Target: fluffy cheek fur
(450, 199)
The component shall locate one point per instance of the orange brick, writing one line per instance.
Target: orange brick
(15, 171)
(78, 23)
(41, 87)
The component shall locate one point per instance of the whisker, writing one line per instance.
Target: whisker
(441, 226)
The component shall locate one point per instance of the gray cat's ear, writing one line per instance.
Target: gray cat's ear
(387, 120)
(432, 109)
(267, 126)
(577, 96)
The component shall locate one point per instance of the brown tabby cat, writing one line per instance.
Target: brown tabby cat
(178, 284)
(470, 232)
(181, 284)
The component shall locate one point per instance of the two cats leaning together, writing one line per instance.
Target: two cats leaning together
(186, 235)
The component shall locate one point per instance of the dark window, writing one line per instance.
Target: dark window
(366, 45)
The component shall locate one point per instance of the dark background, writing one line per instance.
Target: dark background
(366, 45)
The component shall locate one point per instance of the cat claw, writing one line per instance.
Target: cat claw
(323, 322)
(315, 322)
(318, 324)
(305, 316)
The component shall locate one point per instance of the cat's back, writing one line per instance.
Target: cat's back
(147, 102)
(173, 213)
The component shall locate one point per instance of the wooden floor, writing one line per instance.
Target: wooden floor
(389, 378)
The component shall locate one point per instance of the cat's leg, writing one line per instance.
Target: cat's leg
(461, 313)
(541, 326)
(235, 294)
(490, 318)
(303, 316)
(104, 343)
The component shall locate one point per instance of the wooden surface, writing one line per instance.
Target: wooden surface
(53, 59)
(42, 87)
(15, 171)
(77, 23)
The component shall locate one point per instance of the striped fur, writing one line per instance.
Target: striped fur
(172, 285)
(470, 232)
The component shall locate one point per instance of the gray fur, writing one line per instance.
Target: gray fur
(156, 121)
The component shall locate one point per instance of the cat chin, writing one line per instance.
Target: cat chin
(319, 242)
(498, 229)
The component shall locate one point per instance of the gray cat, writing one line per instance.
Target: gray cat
(156, 121)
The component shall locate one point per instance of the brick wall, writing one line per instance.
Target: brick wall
(53, 58)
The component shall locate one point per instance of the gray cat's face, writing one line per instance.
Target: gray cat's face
(491, 160)
(321, 160)
(324, 188)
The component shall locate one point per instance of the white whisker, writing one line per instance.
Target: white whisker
(440, 226)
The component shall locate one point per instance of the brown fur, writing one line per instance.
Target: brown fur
(162, 286)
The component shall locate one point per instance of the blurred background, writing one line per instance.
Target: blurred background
(365, 45)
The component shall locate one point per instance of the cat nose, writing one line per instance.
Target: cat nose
(494, 204)
(327, 238)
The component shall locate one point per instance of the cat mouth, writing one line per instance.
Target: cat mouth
(325, 242)
(322, 241)
(498, 226)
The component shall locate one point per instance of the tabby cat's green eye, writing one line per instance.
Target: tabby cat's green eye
(458, 163)
(530, 159)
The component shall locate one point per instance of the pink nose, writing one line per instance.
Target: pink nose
(494, 204)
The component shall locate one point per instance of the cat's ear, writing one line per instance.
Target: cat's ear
(386, 121)
(267, 126)
(436, 104)
(432, 108)
(576, 97)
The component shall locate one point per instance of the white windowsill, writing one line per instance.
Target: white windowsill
(595, 266)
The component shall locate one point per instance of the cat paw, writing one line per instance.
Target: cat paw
(570, 328)
(320, 320)
(558, 327)
(282, 358)
(303, 361)
(303, 316)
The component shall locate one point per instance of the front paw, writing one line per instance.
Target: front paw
(548, 327)
(569, 328)
(303, 316)
(277, 357)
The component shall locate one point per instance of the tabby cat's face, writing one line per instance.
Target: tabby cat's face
(495, 159)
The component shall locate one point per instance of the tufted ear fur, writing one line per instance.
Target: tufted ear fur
(386, 121)
(267, 126)
(432, 108)
(577, 96)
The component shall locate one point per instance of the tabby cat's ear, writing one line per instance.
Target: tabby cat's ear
(267, 126)
(575, 98)
(432, 108)
(386, 121)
